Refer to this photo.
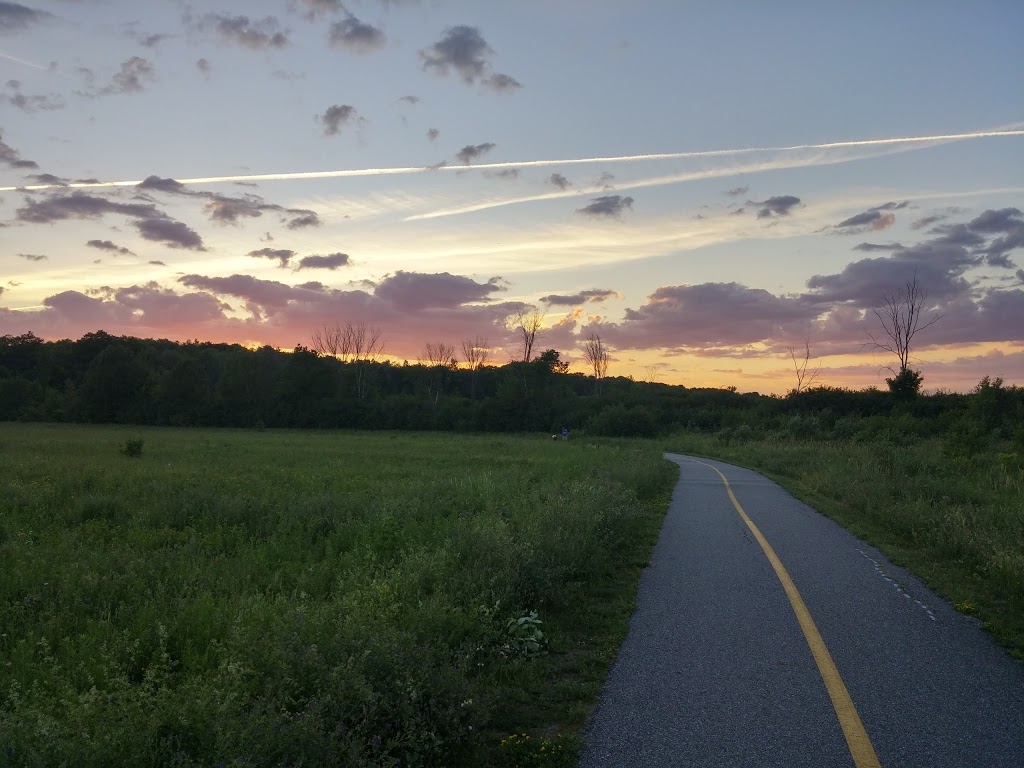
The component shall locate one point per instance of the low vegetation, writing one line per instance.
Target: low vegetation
(244, 598)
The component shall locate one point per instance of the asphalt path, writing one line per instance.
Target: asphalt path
(716, 669)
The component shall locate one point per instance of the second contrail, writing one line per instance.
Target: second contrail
(299, 175)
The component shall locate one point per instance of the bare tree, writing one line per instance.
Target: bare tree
(438, 355)
(901, 316)
(528, 323)
(596, 354)
(804, 377)
(441, 358)
(355, 343)
(476, 353)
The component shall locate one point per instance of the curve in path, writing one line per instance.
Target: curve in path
(765, 634)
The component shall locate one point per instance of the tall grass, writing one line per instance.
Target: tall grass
(951, 513)
(246, 599)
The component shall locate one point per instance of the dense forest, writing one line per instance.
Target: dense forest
(106, 379)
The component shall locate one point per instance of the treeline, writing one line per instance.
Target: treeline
(106, 379)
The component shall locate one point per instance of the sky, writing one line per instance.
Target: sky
(706, 186)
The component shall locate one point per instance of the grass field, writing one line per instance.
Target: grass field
(955, 518)
(242, 598)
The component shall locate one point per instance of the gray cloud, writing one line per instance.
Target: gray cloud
(355, 35)
(33, 257)
(559, 181)
(249, 33)
(464, 50)
(502, 83)
(152, 41)
(224, 209)
(873, 220)
(432, 134)
(926, 221)
(46, 178)
(737, 191)
(12, 158)
(410, 99)
(173, 234)
(504, 173)
(607, 205)
(331, 261)
(304, 219)
(337, 116)
(414, 290)
(683, 316)
(107, 245)
(15, 17)
(204, 66)
(31, 102)
(471, 152)
(1003, 220)
(79, 205)
(133, 76)
(572, 300)
(282, 255)
(872, 247)
(779, 205)
(157, 263)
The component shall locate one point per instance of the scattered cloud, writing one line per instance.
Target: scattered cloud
(331, 261)
(779, 205)
(33, 256)
(133, 76)
(471, 152)
(682, 316)
(31, 102)
(12, 158)
(157, 263)
(15, 17)
(873, 220)
(502, 83)
(607, 205)
(173, 234)
(432, 134)
(463, 49)
(79, 205)
(337, 116)
(410, 100)
(304, 219)
(355, 35)
(204, 66)
(872, 247)
(559, 181)
(416, 290)
(225, 209)
(152, 41)
(571, 300)
(737, 191)
(282, 255)
(107, 245)
(504, 173)
(257, 35)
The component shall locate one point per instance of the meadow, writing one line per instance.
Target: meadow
(251, 598)
(950, 509)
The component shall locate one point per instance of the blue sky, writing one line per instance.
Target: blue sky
(699, 270)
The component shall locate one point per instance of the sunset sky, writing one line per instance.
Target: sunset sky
(703, 184)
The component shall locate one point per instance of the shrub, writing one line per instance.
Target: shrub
(133, 448)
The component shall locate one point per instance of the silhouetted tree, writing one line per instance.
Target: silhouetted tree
(596, 354)
(900, 315)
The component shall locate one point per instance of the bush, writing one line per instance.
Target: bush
(133, 448)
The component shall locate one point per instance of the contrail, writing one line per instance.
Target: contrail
(299, 175)
(21, 61)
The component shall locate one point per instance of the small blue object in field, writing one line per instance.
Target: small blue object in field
(565, 433)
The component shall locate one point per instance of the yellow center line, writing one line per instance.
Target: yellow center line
(857, 740)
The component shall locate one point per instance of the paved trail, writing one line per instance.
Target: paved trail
(717, 670)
